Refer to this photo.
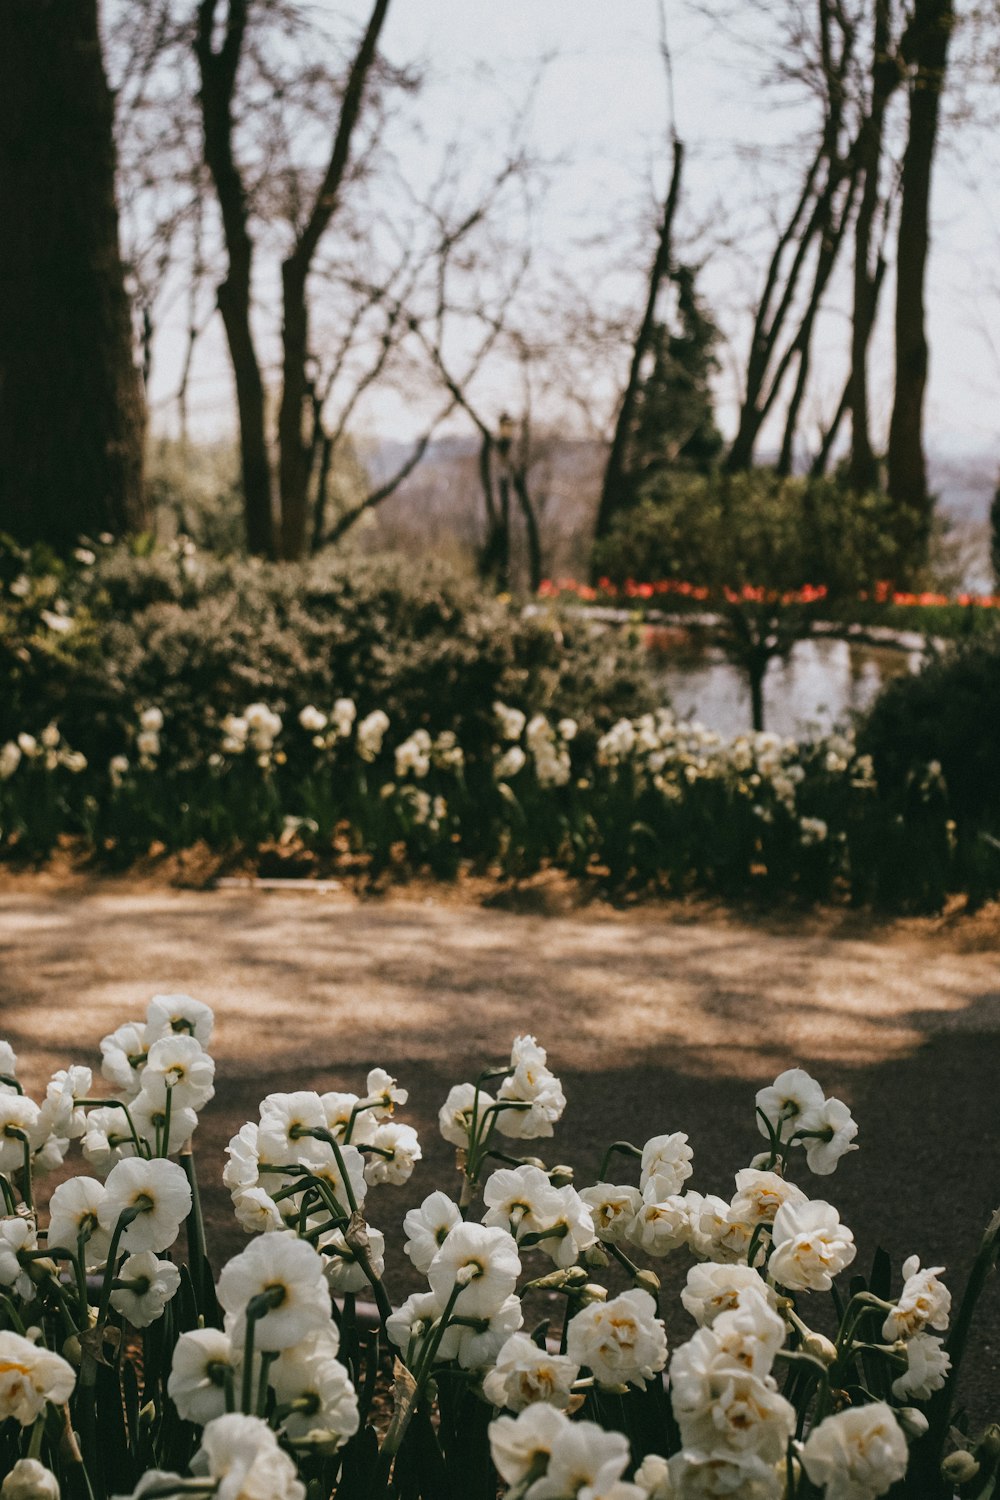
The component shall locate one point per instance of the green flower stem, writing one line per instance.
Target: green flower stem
(12, 1313)
(331, 1140)
(124, 1220)
(37, 1434)
(359, 1109)
(267, 1358)
(10, 1202)
(165, 1148)
(940, 1407)
(26, 1194)
(141, 1147)
(11, 1082)
(619, 1148)
(195, 1226)
(257, 1307)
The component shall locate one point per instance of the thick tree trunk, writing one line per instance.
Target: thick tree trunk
(72, 415)
(926, 48)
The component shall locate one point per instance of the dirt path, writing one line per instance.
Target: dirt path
(656, 1019)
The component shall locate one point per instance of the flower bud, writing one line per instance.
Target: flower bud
(30, 1480)
(912, 1421)
(960, 1466)
(592, 1293)
(71, 1350)
(820, 1347)
(560, 1176)
(595, 1256)
(647, 1281)
(989, 1443)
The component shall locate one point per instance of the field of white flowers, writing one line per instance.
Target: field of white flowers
(127, 1369)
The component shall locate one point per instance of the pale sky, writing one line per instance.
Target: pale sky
(601, 105)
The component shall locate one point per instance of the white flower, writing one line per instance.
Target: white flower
(288, 1271)
(666, 1166)
(521, 1199)
(533, 1083)
(661, 1227)
(312, 720)
(383, 1094)
(719, 1403)
(10, 759)
(566, 1226)
(403, 1148)
(343, 1270)
(792, 1094)
(455, 1114)
(339, 1108)
(30, 1480)
(750, 1334)
(107, 1139)
(585, 1460)
(243, 1454)
(427, 1228)
(483, 1262)
(928, 1364)
(510, 720)
(151, 719)
(20, 1125)
(811, 1246)
(149, 1116)
(285, 1123)
(759, 1195)
(371, 732)
(327, 1168)
(60, 1114)
(181, 1014)
(73, 1213)
(263, 724)
(653, 1477)
(713, 1235)
(622, 1342)
(522, 1445)
(311, 1378)
(829, 1132)
(202, 1362)
(180, 1064)
(242, 1169)
(924, 1302)
(256, 1211)
(410, 1323)
(525, 1373)
(510, 763)
(613, 1208)
(17, 1236)
(29, 1376)
(156, 1281)
(159, 1193)
(477, 1347)
(723, 1476)
(856, 1454)
(716, 1288)
(8, 1067)
(123, 1056)
(344, 714)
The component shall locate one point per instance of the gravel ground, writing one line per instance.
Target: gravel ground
(656, 1019)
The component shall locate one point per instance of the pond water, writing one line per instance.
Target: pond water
(822, 684)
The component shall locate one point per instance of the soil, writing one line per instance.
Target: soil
(657, 1018)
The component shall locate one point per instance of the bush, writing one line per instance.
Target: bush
(90, 643)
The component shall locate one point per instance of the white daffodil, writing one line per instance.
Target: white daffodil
(370, 734)
(455, 1114)
(584, 1460)
(566, 1228)
(60, 1114)
(710, 1476)
(613, 1207)
(532, 1084)
(713, 1235)
(520, 1446)
(123, 1057)
(339, 1108)
(759, 1195)
(476, 1343)
(8, 1068)
(525, 1373)
(482, 1263)
(660, 1227)
(343, 1270)
(384, 1093)
(179, 1014)
(720, 1404)
(17, 1236)
(20, 1126)
(73, 1214)
(152, 1283)
(256, 1211)
(715, 1288)
(793, 1094)
(344, 713)
(925, 1302)
(312, 719)
(653, 1477)
(163, 1135)
(520, 1199)
(427, 1228)
(203, 1361)
(180, 1064)
(666, 1165)
(108, 1138)
(242, 1453)
(928, 1362)
(30, 1480)
(811, 1246)
(285, 1123)
(395, 1154)
(409, 1325)
(856, 1454)
(311, 1381)
(155, 1192)
(827, 1133)
(750, 1334)
(31, 1375)
(621, 1341)
(242, 1170)
(287, 1273)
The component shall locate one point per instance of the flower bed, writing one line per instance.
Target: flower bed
(652, 803)
(127, 1369)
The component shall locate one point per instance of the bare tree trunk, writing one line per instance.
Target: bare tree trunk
(925, 46)
(295, 458)
(615, 472)
(72, 415)
(519, 480)
(218, 80)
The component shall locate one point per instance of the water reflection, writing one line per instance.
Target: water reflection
(822, 684)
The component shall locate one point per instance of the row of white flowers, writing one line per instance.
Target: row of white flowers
(272, 1372)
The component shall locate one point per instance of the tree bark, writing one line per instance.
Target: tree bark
(925, 48)
(294, 452)
(72, 413)
(615, 472)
